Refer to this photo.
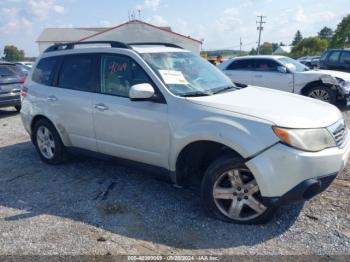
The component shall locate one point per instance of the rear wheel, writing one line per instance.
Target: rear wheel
(322, 93)
(231, 193)
(48, 142)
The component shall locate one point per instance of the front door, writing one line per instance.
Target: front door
(267, 75)
(135, 130)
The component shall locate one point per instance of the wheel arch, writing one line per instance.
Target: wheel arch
(64, 138)
(310, 85)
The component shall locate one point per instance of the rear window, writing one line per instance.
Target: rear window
(43, 72)
(6, 71)
(76, 72)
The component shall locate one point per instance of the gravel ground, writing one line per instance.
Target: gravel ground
(90, 206)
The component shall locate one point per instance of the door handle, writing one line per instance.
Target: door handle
(101, 107)
(52, 98)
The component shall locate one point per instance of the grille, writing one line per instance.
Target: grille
(339, 133)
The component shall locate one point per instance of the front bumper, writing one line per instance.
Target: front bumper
(285, 174)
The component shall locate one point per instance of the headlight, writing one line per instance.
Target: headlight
(306, 139)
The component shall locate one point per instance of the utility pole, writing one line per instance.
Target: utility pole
(260, 28)
(240, 46)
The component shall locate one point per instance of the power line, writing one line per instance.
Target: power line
(260, 28)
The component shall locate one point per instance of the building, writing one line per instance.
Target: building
(134, 31)
(283, 50)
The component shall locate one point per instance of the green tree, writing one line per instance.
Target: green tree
(326, 33)
(274, 46)
(341, 37)
(253, 51)
(310, 46)
(266, 48)
(297, 38)
(12, 53)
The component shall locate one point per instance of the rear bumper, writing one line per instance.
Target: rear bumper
(303, 191)
(10, 100)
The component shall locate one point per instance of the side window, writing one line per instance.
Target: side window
(334, 57)
(119, 73)
(76, 72)
(43, 72)
(243, 64)
(324, 56)
(345, 57)
(266, 65)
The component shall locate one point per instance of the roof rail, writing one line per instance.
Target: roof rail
(67, 46)
(156, 43)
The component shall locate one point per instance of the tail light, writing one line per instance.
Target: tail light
(23, 91)
(23, 79)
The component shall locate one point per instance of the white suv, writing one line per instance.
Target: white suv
(248, 149)
(286, 74)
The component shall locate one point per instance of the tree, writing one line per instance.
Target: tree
(12, 53)
(275, 46)
(326, 33)
(309, 46)
(266, 48)
(341, 37)
(297, 38)
(253, 51)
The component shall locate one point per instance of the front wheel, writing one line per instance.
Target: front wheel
(322, 93)
(231, 193)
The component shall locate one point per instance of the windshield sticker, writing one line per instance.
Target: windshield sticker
(173, 77)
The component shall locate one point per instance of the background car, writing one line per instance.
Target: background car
(309, 61)
(336, 59)
(25, 63)
(286, 74)
(11, 81)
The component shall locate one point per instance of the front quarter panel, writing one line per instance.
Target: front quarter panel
(245, 135)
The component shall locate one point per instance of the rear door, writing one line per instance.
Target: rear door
(267, 75)
(135, 130)
(345, 61)
(333, 60)
(240, 71)
(70, 103)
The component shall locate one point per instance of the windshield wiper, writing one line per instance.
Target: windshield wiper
(227, 88)
(192, 94)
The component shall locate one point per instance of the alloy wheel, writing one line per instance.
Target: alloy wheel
(237, 195)
(45, 142)
(320, 95)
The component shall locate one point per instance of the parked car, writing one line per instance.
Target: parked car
(336, 59)
(314, 62)
(23, 68)
(249, 150)
(25, 63)
(11, 80)
(286, 74)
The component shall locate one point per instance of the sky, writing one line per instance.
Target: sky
(220, 23)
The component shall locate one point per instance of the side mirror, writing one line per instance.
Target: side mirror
(141, 92)
(282, 69)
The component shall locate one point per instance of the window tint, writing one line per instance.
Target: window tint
(323, 56)
(43, 72)
(334, 57)
(345, 57)
(5, 71)
(76, 72)
(243, 64)
(266, 65)
(119, 73)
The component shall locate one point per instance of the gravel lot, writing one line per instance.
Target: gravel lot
(90, 206)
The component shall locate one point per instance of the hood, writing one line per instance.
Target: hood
(338, 74)
(281, 108)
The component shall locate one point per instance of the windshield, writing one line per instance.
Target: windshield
(187, 74)
(293, 65)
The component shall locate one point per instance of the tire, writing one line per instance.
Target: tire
(48, 143)
(322, 93)
(18, 108)
(233, 194)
